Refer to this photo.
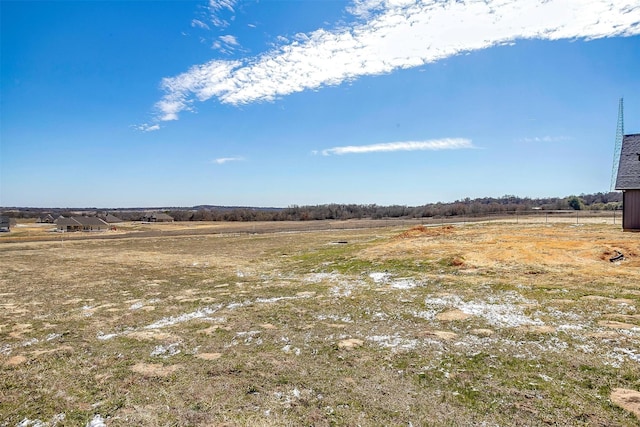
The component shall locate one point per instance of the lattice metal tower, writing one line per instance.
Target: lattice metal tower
(618, 146)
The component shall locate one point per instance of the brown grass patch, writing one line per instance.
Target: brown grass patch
(616, 325)
(537, 329)
(152, 335)
(209, 356)
(154, 369)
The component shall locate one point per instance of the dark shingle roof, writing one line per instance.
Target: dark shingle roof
(112, 218)
(89, 220)
(629, 166)
(77, 221)
(64, 222)
(162, 216)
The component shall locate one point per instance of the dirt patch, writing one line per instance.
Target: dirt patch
(627, 399)
(211, 330)
(267, 326)
(624, 317)
(350, 343)
(422, 231)
(445, 335)
(534, 250)
(336, 325)
(451, 315)
(152, 336)
(616, 325)
(20, 329)
(15, 360)
(53, 350)
(154, 369)
(12, 308)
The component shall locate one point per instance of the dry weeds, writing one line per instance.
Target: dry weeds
(476, 324)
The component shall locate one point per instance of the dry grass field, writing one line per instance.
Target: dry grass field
(468, 324)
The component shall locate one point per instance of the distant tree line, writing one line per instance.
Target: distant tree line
(466, 207)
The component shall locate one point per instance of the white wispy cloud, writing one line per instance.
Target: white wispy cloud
(226, 44)
(432, 144)
(390, 35)
(230, 40)
(546, 139)
(223, 160)
(216, 10)
(146, 127)
(199, 24)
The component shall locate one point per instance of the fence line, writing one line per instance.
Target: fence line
(535, 217)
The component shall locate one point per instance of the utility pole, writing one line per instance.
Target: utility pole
(618, 145)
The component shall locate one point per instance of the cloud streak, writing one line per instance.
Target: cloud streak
(216, 9)
(146, 127)
(389, 35)
(546, 139)
(223, 160)
(432, 145)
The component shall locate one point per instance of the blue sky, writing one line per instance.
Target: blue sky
(276, 102)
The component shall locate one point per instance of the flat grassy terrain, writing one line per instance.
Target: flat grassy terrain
(467, 324)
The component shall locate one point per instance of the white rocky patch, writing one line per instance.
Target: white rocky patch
(104, 337)
(631, 355)
(172, 320)
(165, 352)
(494, 311)
(97, 421)
(288, 349)
(335, 318)
(425, 314)
(26, 422)
(393, 341)
(322, 277)
(5, 349)
(136, 306)
(403, 284)
(52, 337)
(380, 277)
(248, 338)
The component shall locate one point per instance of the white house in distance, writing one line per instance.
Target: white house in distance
(628, 180)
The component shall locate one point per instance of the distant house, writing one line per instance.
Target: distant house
(628, 181)
(111, 219)
(81, 223)
(157, 217)
(47, 219)
(5, 223)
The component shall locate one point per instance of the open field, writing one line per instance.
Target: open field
(467, 324)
